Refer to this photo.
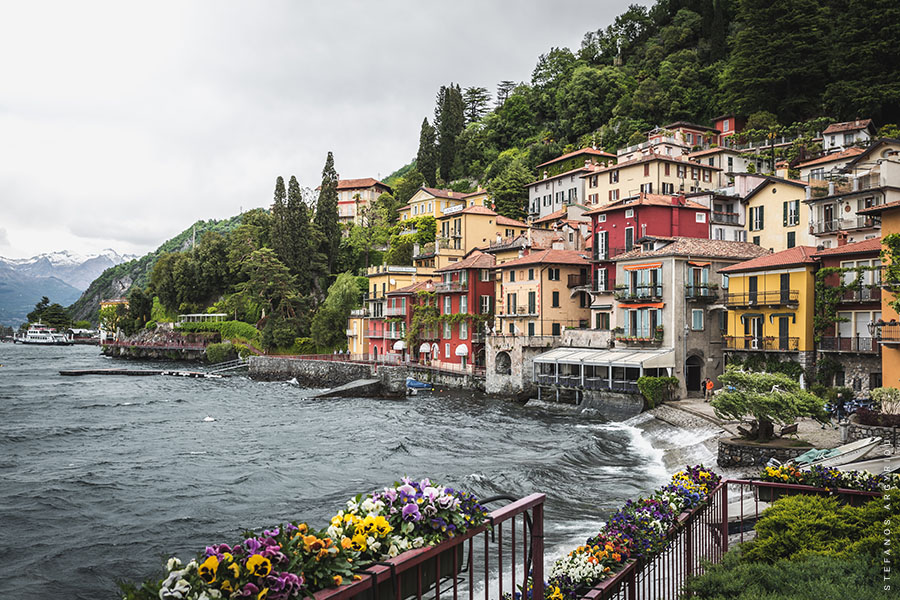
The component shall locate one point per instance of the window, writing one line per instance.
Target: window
(486, 304)
(553, 274)
(682, 171)
(601, 218)
(531, 328)
(447, 330)
(532, 303)
(740, 235)
(601, 280)
(555, 302)
(791, 210)
(602, 320)
(719, 233)
(614, 177)
(629, 238)
(446, 350)
(848, 139)
(485, 274)
(697, 319)
(613, 195)
(463, 330)
(757, 217)
(756, 240)
(724, 282)
(511, 304)
(666, 168)
(555, 329)
(629, 213)
(725, 125)
(791, 239)
(447, 306)
(730, 164)
(512, 276)
(647, 188)
(694, 173)
(512, 329)
(646, 169)
(531, 274)
(700, 217)
(707, 174)
(668, 188)
(463, 304)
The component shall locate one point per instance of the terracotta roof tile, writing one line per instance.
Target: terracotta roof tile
(835, 156)
(550, 257)
(799, 255)
(877, 210)
(847, 126)
(644, 200)
(476, 260)
(587, 170)
(650, 158)
(426, 285)
(501, 220)
(438, 193)
(708, 151)
(589, 151)
(476, 210)
(865, 246)
(699, 247)
(354, 184)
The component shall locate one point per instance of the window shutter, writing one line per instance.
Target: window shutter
(760, 215)
(785, 204)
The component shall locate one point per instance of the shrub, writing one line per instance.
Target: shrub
(150, 325)
(216, 353)
(232, 330)
(657, 389)
(888, 399)
(876, 419)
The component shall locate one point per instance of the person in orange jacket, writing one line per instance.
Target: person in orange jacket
(708, 389)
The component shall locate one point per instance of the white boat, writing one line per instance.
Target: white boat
(834, 457)
(875, 466)
(43, 335)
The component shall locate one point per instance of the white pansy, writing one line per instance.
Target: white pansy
(172, 564)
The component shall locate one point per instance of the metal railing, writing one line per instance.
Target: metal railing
(167, 345)
(451, 286)
(395, 311)
(763, 344)
(771, 298)
(832, 225)
(394, 335)
(701, 291)
(588, 383)
(602, 254)
(639, 293)
(890, 334)
(374, 333)
(577, 280)
(351, 333)
(360, 312)
(725, 218)
(849, 344)
(862, 294)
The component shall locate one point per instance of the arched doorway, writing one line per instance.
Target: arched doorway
(503, 364)
(693, 371)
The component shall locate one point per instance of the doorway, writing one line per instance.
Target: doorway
(693, 369)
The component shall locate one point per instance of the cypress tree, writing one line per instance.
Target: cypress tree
(426, 158)
(449, 127)
(280, 241)
(327, 212)
(297, 222)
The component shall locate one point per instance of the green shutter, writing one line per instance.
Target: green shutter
(762, 217)
(785, 205)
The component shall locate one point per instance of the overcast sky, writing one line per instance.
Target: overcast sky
(122, 123)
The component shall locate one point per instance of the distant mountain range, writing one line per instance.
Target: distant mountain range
(61, 276)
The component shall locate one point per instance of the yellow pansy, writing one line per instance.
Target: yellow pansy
(263, 594)
(207, 570)
(259, 565)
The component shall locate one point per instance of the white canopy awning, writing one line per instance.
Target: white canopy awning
(462, 350)
(648, 359)
(399, 345)
(425, 348)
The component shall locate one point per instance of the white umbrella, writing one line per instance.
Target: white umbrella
(424, 348)
(462, 350)
(399, 345)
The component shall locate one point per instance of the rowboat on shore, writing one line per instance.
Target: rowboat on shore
(875, 466)
(833, 457)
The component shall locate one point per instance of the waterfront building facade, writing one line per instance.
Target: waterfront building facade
(840, 136)
(552, 193)
(650, 174)
(777, 216)
(356, 194)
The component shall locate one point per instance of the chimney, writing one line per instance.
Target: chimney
(841, 239)
(450, 193)
(587, 162)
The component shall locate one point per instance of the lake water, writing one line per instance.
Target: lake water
(103, 477)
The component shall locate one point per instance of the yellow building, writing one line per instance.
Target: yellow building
(771, 303)
(777, 216)
(435, 202)
(536, 293)
(461, 230)
(357, 338)
(889, 330)
(651, 174)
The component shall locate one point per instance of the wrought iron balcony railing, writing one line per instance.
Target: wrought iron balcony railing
(770, 298)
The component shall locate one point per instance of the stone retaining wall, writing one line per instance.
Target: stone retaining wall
(860, 432)
(613, 406)
(739, 454)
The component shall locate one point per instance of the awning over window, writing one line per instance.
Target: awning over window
(698, 264)
(425, 348)
(462, 350)
(644, 266)
(649, 359)
(644, 305)
(399, 345)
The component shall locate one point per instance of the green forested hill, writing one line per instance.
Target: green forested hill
(116, 281)
(682, 60)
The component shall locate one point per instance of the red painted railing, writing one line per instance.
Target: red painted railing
(512, 540)
(155, 345)
(702, 536)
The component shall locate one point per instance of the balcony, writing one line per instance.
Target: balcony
(762, 344)
(640, 293)
(447, 287)
(848, 224)
(605, 254)
(395, 311)
(862, 294)
(360, 312)
(890, 334)
(625, 339)
(578, 280)
(859, 344)
(725, 218)
(394, 335)
(351, 333)
(704, 292)
(374, 333)
(773, 298)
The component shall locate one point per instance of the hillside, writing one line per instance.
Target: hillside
(20, 291)
(117, 281)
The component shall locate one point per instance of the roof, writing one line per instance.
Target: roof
(354, 184)
(644, 199)
(475, 193)
(709, 151)
(725, 116)
(663, 357)
(874, 145)
(571, 172)
(412, 289)
(767, 179)
(792, 257)
(589, 151)
(699, 247)
(689, 125)
(842, 155)
(877, 210)
(501, 220)
(848, 126)
(562, 213)
(649, 158)
(863, 247)
(476, 210)
(550, 257)
(439, 193)
(476, 260)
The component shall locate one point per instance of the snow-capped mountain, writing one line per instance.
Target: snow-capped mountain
(75, 269)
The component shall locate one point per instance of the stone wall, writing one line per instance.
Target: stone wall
(740, 454)
(153, 353)
(860, 432)
(858, 367)
(446, 379)
(312, 373)
(613, 406)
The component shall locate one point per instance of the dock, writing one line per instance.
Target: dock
(359, 387)
(139, 373)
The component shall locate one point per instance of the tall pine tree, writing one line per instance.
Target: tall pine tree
(280, 235)
(476, 100)
(298, 260)
(327, 212)
(449, 125)
(426, 158)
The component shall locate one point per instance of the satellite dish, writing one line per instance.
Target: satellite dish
(393, 281)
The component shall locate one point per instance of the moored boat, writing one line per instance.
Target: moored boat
(43, 335)
(834, 457)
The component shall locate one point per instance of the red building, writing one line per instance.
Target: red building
(849, 341)
(466, 288)
(616, 227)
(728, 125)
(387, 331)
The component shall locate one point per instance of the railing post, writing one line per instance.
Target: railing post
(537, 555)
(724, 518)
(689, 548)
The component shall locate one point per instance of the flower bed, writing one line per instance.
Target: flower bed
(639, 530)
(293, 560)
(830, 478)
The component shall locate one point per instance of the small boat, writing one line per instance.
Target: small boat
(834, 457)
(42, 335)
(415, 384)
(875, 466)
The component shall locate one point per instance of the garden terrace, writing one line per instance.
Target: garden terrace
(701, 293)
(768, 298)
(640, 293)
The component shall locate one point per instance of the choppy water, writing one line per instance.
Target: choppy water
(103, 477)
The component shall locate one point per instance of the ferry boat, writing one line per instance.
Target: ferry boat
(40, 334)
